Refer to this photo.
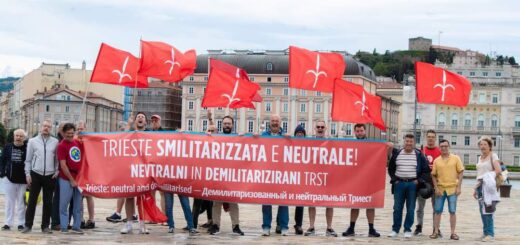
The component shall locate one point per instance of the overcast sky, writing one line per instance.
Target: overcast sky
(32, 32)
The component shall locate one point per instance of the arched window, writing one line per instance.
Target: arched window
(494, 121)
(269, 66)
(480, 121)
(441, 120)
(454, 120)
(467, 120)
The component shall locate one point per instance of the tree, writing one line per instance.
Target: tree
(512, 60)
(500, 60)
(3, 135)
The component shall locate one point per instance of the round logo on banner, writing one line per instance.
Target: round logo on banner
(75, 154)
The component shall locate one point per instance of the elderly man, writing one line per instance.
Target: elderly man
(282, 217)
(12, 166)
(41, 170)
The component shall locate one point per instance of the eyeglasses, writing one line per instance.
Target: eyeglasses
(320, 127)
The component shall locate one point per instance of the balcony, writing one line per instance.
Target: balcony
(515, 130)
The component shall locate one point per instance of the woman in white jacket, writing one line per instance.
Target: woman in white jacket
(488, 163)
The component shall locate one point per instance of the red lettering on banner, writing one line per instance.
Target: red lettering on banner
(298, 171)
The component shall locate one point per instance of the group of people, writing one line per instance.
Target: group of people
(50, 164)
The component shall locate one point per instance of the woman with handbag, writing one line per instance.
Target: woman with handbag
(488, 173)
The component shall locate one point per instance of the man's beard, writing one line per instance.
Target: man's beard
(227, 130)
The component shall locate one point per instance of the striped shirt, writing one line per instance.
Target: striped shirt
(406, 164)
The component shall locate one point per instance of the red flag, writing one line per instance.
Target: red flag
(314, 70)
(229, 86)
(439, 86)
(117, 67)
(148, 210)
(165, 62)
(351, 103)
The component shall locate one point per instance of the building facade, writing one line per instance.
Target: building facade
(419, 43)
(161, 98)
(493, 110)
(296, 107)
(48, 75)
(61, 104)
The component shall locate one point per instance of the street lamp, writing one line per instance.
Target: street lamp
(499, 137)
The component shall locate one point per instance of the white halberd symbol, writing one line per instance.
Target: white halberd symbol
(231, 98)
(122, 73)
(363, 104)
(172, 62)
(317, 72)
(443, 86)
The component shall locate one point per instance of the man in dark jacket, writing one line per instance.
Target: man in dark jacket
(407, 168)
(12, 166)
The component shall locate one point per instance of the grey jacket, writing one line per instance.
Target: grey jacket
(41, 156)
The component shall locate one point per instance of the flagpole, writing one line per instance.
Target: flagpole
(136, 78)
(85, 96)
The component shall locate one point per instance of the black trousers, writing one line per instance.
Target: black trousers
(199, 206)
(298, 216)
(47, 184)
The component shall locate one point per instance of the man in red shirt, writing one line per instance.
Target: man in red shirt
(431, 151)
(69, 156)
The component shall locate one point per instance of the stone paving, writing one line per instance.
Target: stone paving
(469, 227)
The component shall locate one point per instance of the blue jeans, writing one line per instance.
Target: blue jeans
(487, 219)
(67, 192)
(440, 200)
(282, 217)
(404, 192)
(185, 204)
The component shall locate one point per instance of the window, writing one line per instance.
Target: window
(453, 140)
(267, 106)
(517, 121)
(333, 129)
(204, 89)
(442, 120)
(517, 142)
(190, 124)
(303, 92)
(318, 93)
(494, 121)
(467, 121)
(268, 91)
(480, 121)
(285, 126)
(285, 91)
(266, 124)
(494, 139)
(518, 99)
(466, 159)
(204, 125)
(219, 125)
(250, 126)
(516, 160)
(498, 74)
(482, 98)
(67, 108)
(219, 109)
(454, 120)
(269, 66)
(471, 73)
(205, 78)
(303, 124)
(348, 129)
(466, 140)
(303, 107)
(149, 93)
(459, 72)
(269, 79)
(441, 137)
(190, 105)
(418, 118)
(68, 97)
(286, 79)
(47, 108)
(191, 78)
(252, 78)
(495, 99)
(285, 107)
(191, 90)
(485, 73)
(318, 107)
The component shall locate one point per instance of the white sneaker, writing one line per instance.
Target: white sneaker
(393, 234)
(266, 232)
(127, 228)
(285, 232)
(142, 228)
(488, 239)
(408, 234)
